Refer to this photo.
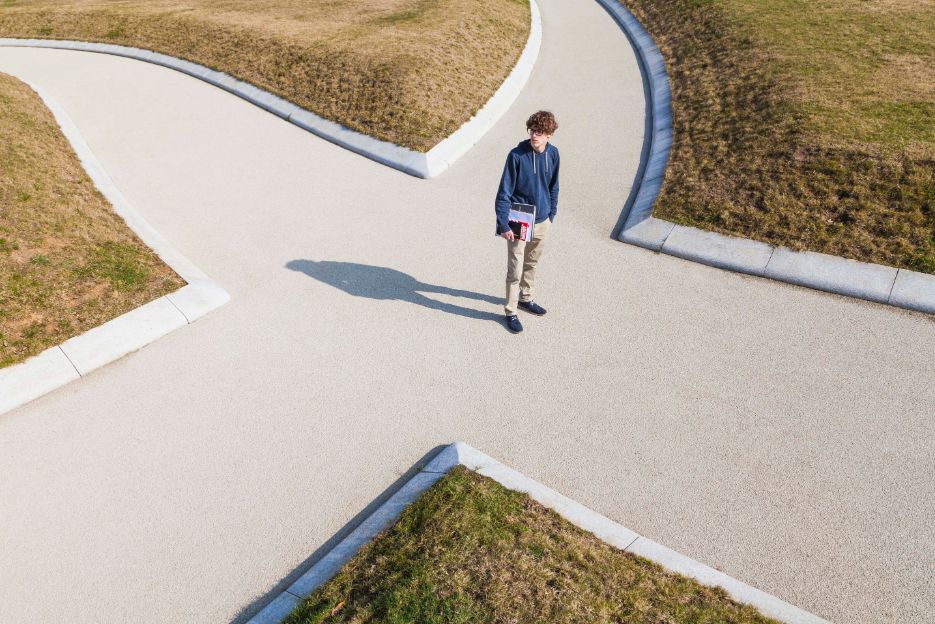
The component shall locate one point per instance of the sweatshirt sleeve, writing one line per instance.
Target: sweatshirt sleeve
(505, 194)
(553, 189)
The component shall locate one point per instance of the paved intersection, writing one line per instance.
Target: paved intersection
(782, 435)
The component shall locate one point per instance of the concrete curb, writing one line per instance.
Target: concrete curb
(419, 164)
(658, 139)
(840, 276)
(611, 532)
(101, 345)
(863, 280)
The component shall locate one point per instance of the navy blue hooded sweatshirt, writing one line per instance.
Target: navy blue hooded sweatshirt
(528, 178)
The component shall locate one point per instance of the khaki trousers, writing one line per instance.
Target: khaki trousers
(521, 261)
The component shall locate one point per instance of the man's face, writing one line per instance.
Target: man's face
(538, 139)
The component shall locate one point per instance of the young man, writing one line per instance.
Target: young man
(530, 176)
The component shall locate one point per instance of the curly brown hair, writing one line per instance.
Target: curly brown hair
(542, 121)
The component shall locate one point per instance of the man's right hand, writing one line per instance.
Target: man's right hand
(509, 235)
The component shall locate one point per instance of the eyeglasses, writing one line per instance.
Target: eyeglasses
(537, 133)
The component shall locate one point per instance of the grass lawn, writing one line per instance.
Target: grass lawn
(406, 71)
(804, 123)
(67, 262)
(471, 551)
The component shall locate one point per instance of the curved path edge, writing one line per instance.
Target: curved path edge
(77, 356)
(459, 453)
(420, 164)
(863, 280)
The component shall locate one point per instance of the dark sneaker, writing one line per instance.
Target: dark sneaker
(532, 307)
(513, 324)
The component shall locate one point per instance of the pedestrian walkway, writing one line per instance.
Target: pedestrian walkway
(781, 435)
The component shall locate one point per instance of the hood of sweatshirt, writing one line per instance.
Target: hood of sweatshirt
(525, 148)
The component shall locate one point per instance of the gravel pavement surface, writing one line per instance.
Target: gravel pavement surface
(781, 435)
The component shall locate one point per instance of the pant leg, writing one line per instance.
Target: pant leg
(514, 268)
(532, 253)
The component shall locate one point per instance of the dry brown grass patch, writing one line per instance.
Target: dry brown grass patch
(67, 262)
(406, 71)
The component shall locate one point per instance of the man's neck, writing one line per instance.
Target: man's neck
(538, 151)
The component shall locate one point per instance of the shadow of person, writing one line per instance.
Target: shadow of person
(373, 282)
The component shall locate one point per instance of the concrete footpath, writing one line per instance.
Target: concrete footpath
(781, 435)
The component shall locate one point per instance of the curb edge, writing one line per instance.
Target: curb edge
(459, 453)
(419, 164)
(833, 274)
(98, 346)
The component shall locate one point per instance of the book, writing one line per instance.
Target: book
(522, 220)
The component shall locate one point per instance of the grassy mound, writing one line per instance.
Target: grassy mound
(809, 124)
(406, 71)
(67, 262)
(471, 551)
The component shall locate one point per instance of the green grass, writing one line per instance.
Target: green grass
(120, 264)
(862, 71)
(472, 552)
(803, 123)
